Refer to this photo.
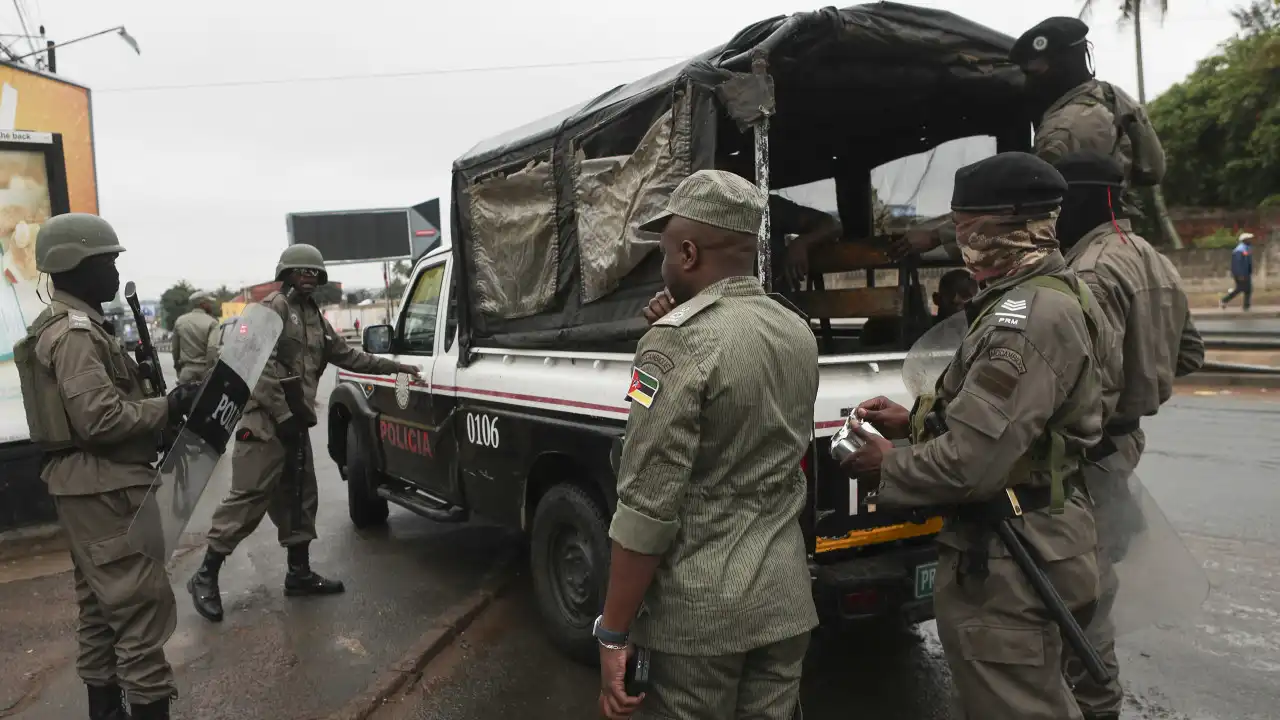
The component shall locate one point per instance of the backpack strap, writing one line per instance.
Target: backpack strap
(1049, 454)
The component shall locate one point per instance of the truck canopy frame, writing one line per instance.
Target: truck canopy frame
(545, 217)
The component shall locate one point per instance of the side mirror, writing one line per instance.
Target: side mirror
(377, 339)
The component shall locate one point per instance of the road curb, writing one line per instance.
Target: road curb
(29, 541)
(1228, 379)
(452, 623)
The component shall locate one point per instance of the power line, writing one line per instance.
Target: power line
(394, 75)
(23, 20)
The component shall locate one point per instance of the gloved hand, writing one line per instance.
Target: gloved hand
(290, 429)
(180, 400)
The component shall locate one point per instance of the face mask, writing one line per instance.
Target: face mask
(996, 245)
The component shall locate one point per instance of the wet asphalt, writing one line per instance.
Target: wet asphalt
(272, 657)
(1211, 462)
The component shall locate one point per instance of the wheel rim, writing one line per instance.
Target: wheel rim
(572, 570)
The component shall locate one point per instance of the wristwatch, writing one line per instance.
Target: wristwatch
(608, 638)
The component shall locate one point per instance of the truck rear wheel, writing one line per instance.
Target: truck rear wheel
(363, 504)
(570, 557)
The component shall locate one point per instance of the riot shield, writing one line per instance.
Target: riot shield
(1156, 581)
(932, 353)
(190, 462)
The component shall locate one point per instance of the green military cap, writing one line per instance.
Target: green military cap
(717, 198)
(1048, 38)
(1087, 167)
(1010, 182)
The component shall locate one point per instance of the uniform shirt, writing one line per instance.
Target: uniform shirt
(1082, 120)
(710, 479)
(116, 427)
(195, 337)
(1141, 293)
(1004, 384)
(307, 345)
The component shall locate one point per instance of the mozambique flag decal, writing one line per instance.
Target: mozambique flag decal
(644, 387)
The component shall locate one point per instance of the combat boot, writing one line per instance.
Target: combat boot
(203, 586)
(106, 703)
(301, 580)
(158, 710)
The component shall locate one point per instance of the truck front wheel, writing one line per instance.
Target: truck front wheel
(363, 504)
(570, 556)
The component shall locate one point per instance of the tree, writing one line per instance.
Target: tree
(328, 294)
(401, 273)
(174, 303)
(1221, 126)
(1259, 17)
(224, 293)
(1131, 10)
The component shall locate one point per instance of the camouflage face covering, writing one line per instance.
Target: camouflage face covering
(995, 245)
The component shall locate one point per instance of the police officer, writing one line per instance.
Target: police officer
(1075, 112)
(86, 407)
(1146, 307)
(708, 568)
(271, 428)
(195, 339)
(1016, 410)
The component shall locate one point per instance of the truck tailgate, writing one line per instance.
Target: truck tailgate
(838, 520)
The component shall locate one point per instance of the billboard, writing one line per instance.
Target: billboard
(353, 236)
(46, 168)
(357, 236)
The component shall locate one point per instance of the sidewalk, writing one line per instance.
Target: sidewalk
(272, 657)
(1233, 312)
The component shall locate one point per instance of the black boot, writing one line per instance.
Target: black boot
(203, 587)
(302, 581)
(158, 710)
(106, 703)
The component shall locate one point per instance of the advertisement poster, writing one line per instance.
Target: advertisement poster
(31, 101)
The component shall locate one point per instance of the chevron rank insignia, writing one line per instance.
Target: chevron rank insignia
(644, 387)
(1012, 310)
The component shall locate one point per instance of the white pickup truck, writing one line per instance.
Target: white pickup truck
(525, 322)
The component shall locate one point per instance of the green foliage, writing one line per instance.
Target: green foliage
(1270, 201)
(174, 303)
(1220, 127)
(328, 294)
(1221, 238)
(224, 294)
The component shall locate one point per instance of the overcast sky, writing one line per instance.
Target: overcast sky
(197, 180)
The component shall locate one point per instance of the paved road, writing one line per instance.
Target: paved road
(1239, 326)
(1212, 463)
(272, 657)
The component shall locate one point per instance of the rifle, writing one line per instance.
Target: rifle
(145, 353)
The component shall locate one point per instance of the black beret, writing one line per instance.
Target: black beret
(1007, 183)
(1090, 168)
(1048, 38)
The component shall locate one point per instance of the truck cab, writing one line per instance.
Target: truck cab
(526, 322)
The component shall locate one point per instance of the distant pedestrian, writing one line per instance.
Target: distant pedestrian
(954, 290)
(1242, 272)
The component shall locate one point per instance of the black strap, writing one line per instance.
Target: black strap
(1119, 428)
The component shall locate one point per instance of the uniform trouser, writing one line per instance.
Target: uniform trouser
(1006, 655)
(1108, 487)
(257, 468)
(127, 609)
(192, 373)
(761, 684)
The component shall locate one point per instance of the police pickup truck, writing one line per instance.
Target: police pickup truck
(525, 322)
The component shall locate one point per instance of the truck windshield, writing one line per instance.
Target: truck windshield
(419, 329)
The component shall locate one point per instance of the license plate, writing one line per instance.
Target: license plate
(925, 575)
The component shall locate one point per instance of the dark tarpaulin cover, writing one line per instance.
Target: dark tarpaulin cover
(863, 86)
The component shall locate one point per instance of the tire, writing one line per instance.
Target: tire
(363, 504)
(570, 558)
